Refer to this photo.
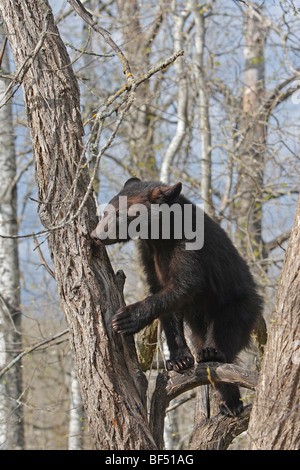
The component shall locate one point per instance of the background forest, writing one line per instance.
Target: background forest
(222, 118)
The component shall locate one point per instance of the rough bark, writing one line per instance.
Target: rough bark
(112, 385)
(274, 420)
(219, 431)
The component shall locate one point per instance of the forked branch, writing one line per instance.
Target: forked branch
(169, 386)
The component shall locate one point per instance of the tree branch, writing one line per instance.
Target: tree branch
(207, 373)
(87, 17)
(276, 96)
(276, 242)
(30, 350)
(44, 263)
(169, 386)
(3, 50)
(219, 431)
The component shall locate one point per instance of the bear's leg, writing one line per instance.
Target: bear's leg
(230, 399)
(180, 355)
(132, 318)
(214, 350)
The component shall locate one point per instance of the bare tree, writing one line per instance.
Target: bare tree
(112, 385)
(252, 150)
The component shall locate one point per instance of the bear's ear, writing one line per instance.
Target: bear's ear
(131, 180)
(165, 193)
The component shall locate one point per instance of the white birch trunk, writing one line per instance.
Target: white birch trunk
(3, 422)
(182, 100)
(76, 414)
(206, 193)
(11, 423)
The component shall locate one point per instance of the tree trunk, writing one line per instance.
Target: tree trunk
(206, 190)
(75, 441)
(179, 19)
(112, 385)
(274, 422)
(140, 130)
(253, 142)
(11, 412)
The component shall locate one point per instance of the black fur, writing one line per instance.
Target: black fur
(210, 289)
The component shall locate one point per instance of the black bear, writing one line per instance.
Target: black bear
(207, 286)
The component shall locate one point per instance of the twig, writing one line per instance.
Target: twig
(44, 263)
(103, 113)
(30, 350)
(8, 309)
(12, 185)
(83, 51)
(3, 50)
(87, 17)
(180, 402)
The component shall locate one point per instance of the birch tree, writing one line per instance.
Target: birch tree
(179, 18)
(76, 414)
(11, 412)
(206, 163)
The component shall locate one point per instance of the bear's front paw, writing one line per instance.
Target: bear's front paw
(126, 321)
